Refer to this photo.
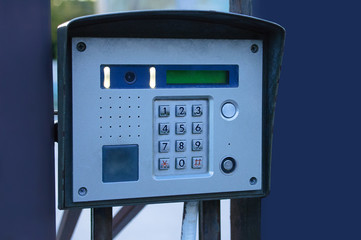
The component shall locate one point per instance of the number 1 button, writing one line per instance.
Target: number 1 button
(163, 110)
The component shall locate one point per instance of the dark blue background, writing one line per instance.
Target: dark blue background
(316, 159)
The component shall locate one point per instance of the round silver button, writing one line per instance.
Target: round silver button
(228, 165)
(229, 110)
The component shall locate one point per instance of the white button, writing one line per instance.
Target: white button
(229, 110)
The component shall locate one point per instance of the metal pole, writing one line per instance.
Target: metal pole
(245, 213)
(101, 223)
(27, 179)
(241, 6)
(246, 219)
(124, 216)
(67, 225)
(209, 220)
(189, 223)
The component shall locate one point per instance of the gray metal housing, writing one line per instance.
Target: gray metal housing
(167, 24)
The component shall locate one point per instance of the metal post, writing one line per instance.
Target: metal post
(189, 223)
(124, 216)
(209, 220)
(67, 225)
(101, 223)
(27, 179)
(245, 213)
(246, 219)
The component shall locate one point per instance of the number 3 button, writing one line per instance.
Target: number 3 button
(197, 110)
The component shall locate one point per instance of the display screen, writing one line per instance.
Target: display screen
(197, 77)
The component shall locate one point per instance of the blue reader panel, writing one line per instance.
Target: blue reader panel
(120, 163)
(168, 76)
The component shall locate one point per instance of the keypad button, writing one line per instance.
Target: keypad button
(164, 110)
(197, 110)
(180, 110)
(181, 128)
(197, 127)
(180, 163)
(164, 128)
(163, 163)
(197, 145)
(164, 146)
(180, 146)
(197, 162)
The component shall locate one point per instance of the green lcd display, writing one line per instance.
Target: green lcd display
(197, 77)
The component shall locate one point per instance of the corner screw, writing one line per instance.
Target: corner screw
(253, 181)
(254, 48)
(81, 46)
(82, 191)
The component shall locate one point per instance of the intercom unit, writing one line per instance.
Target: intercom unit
(164, 106)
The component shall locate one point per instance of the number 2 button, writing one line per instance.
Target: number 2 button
(180, 110)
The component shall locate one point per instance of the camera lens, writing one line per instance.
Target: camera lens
(129, 77)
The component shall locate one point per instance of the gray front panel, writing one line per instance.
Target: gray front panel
(126, 117)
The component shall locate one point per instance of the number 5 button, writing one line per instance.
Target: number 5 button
(197, 127)
(181, 128)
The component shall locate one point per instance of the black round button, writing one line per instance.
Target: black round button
(129, 77)
(228, 165)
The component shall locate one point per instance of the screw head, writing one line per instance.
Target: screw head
(254, 48)
(82, 191)
(81, 46)
(253, 181)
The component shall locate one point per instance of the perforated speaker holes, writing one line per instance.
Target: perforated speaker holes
(118, 111)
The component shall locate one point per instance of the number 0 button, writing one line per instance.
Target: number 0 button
(180, 163)
(197, 127)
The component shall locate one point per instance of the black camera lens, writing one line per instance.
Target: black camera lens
(129, 77)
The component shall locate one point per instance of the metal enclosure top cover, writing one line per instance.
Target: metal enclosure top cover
(165, 106)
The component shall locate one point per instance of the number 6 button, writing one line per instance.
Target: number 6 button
(197, 127)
